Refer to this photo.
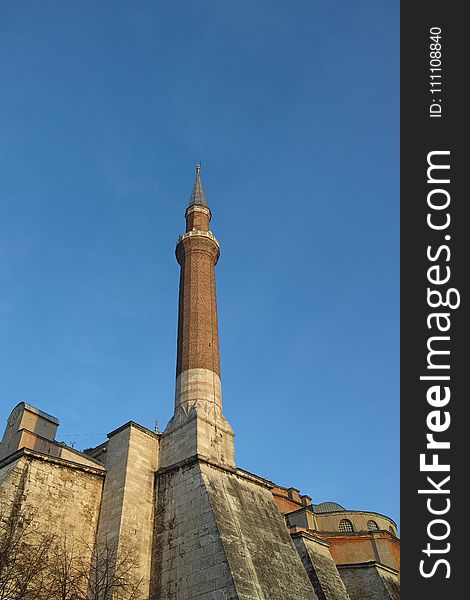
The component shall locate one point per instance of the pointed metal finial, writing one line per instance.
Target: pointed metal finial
(198, 169)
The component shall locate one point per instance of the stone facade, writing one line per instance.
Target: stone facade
(63, 499)
(370, 581)
(127, 507)
(189, 557)
(213, 531)
(321, 570)
(261, 555)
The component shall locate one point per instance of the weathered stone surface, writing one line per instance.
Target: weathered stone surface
(189, 561)
(320, 567)
(370, 581)
(194, 434)
(127, 509)
(220, 535)
(262, 558)
(62, 499)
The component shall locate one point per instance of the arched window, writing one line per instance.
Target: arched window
(372, 526)
(346, 526)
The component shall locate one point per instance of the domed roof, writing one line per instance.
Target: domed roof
(325, 507)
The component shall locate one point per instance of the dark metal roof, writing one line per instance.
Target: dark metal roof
(325, 507)
(198, 196)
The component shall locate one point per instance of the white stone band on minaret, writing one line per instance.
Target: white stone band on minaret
(199, 388)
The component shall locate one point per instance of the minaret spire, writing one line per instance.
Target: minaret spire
(198, 197)
(198, 395)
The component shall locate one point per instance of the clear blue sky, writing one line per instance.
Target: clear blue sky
(292, 107)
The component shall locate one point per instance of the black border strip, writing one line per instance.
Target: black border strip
(420, 135)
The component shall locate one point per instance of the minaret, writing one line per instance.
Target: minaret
(198, 362)
(218, 531)
(198, 396)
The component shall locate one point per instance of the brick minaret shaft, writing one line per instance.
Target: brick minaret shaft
(198, 361)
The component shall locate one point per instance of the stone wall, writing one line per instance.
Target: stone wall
(370, 581)
(388, 548)
(189, 559)
(262, 558)
(378, 546)
(127, 509)
(63, 499)
(320, 567)
(194, 434)
(219, 536)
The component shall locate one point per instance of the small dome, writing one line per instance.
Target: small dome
(325, 507)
